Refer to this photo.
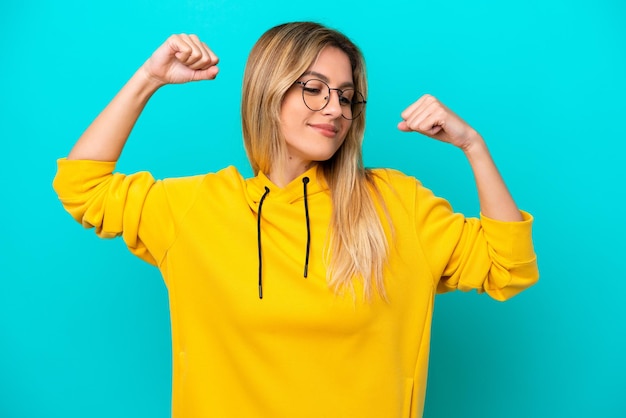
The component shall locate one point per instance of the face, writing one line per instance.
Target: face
(316, 135)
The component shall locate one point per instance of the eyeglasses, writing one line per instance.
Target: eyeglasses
(316, 96)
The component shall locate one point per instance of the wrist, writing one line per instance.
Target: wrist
(474, 145)
(149, 82)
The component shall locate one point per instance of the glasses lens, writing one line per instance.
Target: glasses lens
(354, 104)
(315, 94)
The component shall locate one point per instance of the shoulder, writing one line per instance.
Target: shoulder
(396, 187)
(392, 179)
(226, 175)
(226, 179)
(396, 190)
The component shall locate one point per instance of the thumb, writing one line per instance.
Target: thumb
(206, 74)
(404, 127)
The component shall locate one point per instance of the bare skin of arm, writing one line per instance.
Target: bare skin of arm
(430, 117)
(182, 58)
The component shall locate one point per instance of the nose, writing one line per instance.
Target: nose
(333, 107)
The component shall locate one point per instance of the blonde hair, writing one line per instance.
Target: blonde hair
(357, 246)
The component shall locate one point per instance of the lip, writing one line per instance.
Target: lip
(326, 129)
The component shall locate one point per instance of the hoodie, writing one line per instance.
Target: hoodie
(251, 335)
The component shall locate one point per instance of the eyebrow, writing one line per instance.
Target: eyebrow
(324, 78)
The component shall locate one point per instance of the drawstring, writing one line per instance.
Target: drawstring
(258, 231)
(305, 180)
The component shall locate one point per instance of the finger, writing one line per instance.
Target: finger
(196, 53)
(436, 119)
(199, 56)
(432, 125)
(204, 62)
(208, 52)
(185, 50)
(414, 115)
(179, 47)
(208, 59)
(431, 130)
(415, 119)
(419, 104)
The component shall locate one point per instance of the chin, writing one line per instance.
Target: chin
(324, 156)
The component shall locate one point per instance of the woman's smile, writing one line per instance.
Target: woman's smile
(326, 129)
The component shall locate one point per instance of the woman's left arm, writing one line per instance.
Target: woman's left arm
(430, 117)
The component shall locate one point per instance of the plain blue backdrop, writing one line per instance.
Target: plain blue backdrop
(84, 326)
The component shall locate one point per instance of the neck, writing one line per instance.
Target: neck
(282, 176)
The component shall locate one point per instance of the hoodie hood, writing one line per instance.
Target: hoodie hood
(290, 194)
(260, 189)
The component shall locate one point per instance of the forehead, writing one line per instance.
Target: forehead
(333, 66)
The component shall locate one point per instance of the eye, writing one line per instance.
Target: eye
(314, 87)
(346, 97)
(345, 101)
(313, 91)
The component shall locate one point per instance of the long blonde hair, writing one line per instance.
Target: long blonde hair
(357, 247)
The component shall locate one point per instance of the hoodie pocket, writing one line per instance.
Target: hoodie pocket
(408, 398)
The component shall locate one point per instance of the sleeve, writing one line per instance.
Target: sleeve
(468, 253)
(133, 206)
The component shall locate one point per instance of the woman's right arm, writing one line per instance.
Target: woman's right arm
(182, 58)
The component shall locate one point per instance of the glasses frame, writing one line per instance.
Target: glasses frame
(302, 84)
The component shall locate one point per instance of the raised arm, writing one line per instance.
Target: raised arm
(430, 117)
(182, 58)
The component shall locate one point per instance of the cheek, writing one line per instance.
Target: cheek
(288, 126)
(292, 106)
(287, 119)
(345, 127)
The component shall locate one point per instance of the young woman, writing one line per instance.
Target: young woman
(308, 289)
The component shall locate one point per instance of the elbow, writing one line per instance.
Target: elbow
(512, 281)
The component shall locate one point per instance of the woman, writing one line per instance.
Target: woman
(321, 306)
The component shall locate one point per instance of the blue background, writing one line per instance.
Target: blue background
(84, 326)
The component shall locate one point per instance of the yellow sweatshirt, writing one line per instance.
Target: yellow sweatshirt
(300, 351)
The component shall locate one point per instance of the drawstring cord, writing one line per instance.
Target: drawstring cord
(305, 181)
(258, 231)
